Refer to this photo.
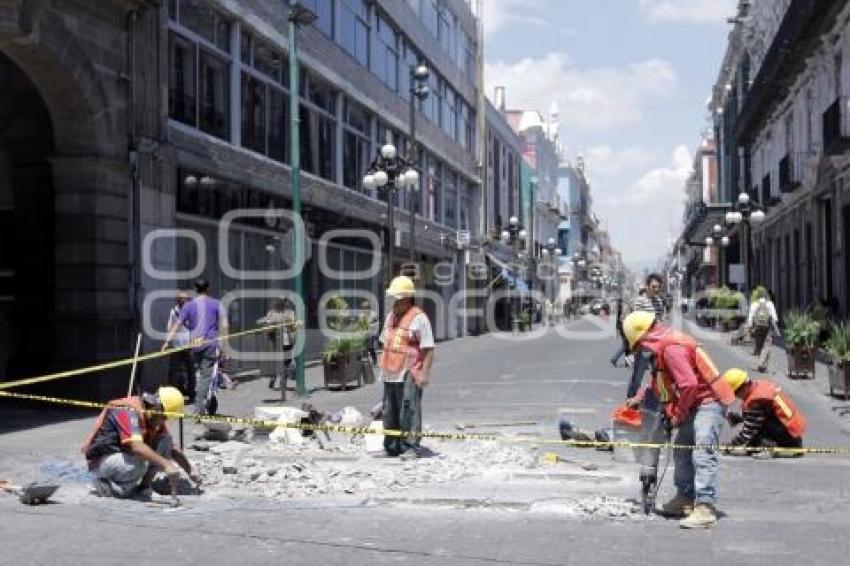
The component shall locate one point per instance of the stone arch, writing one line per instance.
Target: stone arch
(37, 40)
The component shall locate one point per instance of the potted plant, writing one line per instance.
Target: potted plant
(837, 347)
(341, 360)
(726, 307)
(801, 336)
(522, 322)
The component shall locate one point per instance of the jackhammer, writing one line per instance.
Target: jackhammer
(655, 430)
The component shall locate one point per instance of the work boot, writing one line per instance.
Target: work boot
(703, 517)
(679, 506)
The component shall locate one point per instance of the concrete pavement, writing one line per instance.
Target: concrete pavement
(789, 510)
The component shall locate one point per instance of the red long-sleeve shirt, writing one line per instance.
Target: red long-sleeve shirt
(680, 364)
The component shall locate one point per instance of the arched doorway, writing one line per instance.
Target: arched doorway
(26, 224)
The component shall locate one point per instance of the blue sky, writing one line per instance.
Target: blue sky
(631, 78)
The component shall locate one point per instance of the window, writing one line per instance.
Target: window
(182, 103)
(354, 29)
(199, 68)
(317, 127)
(468, 54)
(434, 190)
(254, 103)
(466, 125)
(324, 10)
(197, 16)
(810, 112)
(451, 199)
(430, 15)
(411, 58)
(385, 54)
(446, 32)
(449, 117)
(432, 106)
(265, 103)
(356, 146)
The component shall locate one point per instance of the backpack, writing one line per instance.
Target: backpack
(761, 318)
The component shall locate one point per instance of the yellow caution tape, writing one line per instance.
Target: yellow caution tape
(130, 360)
(327, 427)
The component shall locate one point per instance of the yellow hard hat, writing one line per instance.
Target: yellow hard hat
(736, 378)
(171, 399)
(401, 286)
(635, 326)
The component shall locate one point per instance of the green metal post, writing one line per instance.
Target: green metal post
(295, 163)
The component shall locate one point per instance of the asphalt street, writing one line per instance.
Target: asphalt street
(792, 511)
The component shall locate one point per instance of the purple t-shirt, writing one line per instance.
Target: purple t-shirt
(203, 316)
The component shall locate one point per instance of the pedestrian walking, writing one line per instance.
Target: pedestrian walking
(694, 400)
(129, 444)
(763, 324)
(206, 320)
(369, 319)
(405, 365)
(769, 417)
(654, 284)
(282, 313)
(181, 372)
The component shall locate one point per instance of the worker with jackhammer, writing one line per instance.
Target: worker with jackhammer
(130, 443)
(769, 420)
(694, 398)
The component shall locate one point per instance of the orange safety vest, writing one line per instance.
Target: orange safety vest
(134, 403)
(664, 385)
(401, 349)
(763, 391)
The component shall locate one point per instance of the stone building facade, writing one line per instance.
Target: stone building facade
(784, 98)
(133, 127)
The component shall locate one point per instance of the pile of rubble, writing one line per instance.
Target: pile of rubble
(341, 466)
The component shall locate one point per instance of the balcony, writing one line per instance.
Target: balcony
(767, 196)
(836, 129)
(790, 172)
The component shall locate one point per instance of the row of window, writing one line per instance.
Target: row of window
(200, 67)
(199, 96)
(443, 24)
(366, 34)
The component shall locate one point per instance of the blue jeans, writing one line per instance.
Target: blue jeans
(696, 470)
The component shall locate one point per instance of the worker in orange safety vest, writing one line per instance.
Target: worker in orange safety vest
(694, 398)
(770, 419)
(405, 365)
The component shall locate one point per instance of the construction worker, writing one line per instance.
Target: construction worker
(405, 367)
(129, 444)
(769, 419)
(694, 398)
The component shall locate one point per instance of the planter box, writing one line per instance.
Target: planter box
(839, 380)
(801, 363)
(344, 369)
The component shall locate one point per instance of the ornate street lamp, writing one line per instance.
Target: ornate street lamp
(390, 172)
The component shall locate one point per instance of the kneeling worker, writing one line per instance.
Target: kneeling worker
(769, 419)
(129, 445)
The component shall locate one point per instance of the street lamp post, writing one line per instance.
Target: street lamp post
(390, 172)
(298, 16)
(552, 252)
(746, 213)
(515, 236)
(717, 237)
(418, 91)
